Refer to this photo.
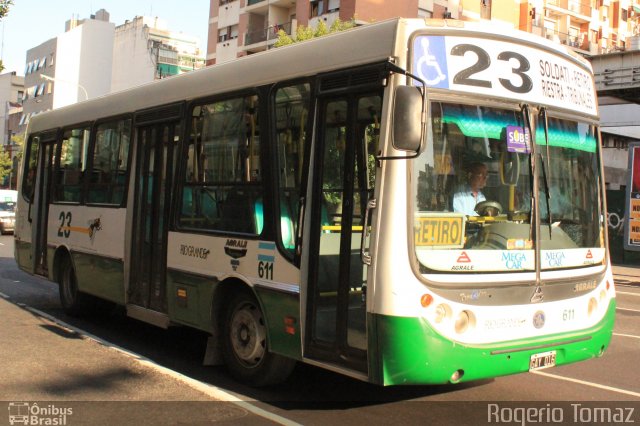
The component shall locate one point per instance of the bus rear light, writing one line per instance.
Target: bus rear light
(442, 312)
(593, 306)
(290, 325)
(426, 300)
(608, 285)
(465, 320)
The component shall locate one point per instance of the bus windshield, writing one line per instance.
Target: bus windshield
(472, 192)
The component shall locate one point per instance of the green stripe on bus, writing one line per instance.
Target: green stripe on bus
(411, 352)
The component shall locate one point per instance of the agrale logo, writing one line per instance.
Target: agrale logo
(33, 414)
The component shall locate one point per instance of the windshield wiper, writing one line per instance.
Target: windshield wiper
(524, 110)
(546, 168)
(534, 221)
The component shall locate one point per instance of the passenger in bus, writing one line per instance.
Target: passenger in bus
(470, 194)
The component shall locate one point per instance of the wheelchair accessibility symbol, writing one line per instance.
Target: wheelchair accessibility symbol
(430, 61)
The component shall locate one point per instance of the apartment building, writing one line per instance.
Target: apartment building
(11, 94)
(72, 67)
(93, 57)
(145, 50)
(242, 27)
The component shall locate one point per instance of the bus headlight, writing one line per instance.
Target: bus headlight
(465, 320)
(443, 312)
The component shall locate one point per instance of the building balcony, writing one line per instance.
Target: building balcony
(581, 12)
(578, 41)
(260, 7)
(262, 39)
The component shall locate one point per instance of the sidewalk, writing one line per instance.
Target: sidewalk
(54, 369)
(626, 274)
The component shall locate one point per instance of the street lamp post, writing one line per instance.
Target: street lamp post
(49, 78)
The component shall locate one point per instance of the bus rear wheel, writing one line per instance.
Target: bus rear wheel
(245, 344)
(74, 302)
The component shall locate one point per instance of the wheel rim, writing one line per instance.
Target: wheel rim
(248, 334)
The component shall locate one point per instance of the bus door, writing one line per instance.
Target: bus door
(346, 135)
(39, 210)
(157, 148)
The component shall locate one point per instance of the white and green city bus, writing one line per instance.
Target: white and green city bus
(298, 205)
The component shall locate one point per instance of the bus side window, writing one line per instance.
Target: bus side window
(28, 183)
(110, 159)
(291, 113)
(222, 182)
(71, 165)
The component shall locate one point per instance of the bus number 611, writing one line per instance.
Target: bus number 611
(265, 270)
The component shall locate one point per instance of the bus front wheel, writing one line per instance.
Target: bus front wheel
(245, 348)
(73, 301)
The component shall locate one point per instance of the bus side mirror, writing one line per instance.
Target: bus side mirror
(407, 118)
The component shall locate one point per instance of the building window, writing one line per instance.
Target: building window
(317, 8)
(227, 33)
(40, 90)
(223, 35)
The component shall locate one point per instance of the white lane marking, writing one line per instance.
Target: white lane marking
(628, 294)
(626, 335)
(627, 309)
(205, 388)
(582, 382)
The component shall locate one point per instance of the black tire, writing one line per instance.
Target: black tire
(245, 345)
(74, 302)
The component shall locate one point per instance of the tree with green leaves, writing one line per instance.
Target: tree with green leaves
(7, 169)
(307, 33)
(4, 9)
(6, 165)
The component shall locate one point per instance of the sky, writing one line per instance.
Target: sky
(32, 22)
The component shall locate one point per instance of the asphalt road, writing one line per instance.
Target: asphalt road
(312, 396)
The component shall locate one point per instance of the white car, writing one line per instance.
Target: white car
(7, 216)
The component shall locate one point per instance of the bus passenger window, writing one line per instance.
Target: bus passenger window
(29, 181)
(222, 182)
(110, 158)
(291, 113)
(71, 165)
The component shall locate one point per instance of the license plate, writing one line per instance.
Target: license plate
(542, 360)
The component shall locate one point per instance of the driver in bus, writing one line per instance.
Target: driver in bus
(470, 194)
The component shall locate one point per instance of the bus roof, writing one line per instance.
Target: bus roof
(358, 46)
(296, 60)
